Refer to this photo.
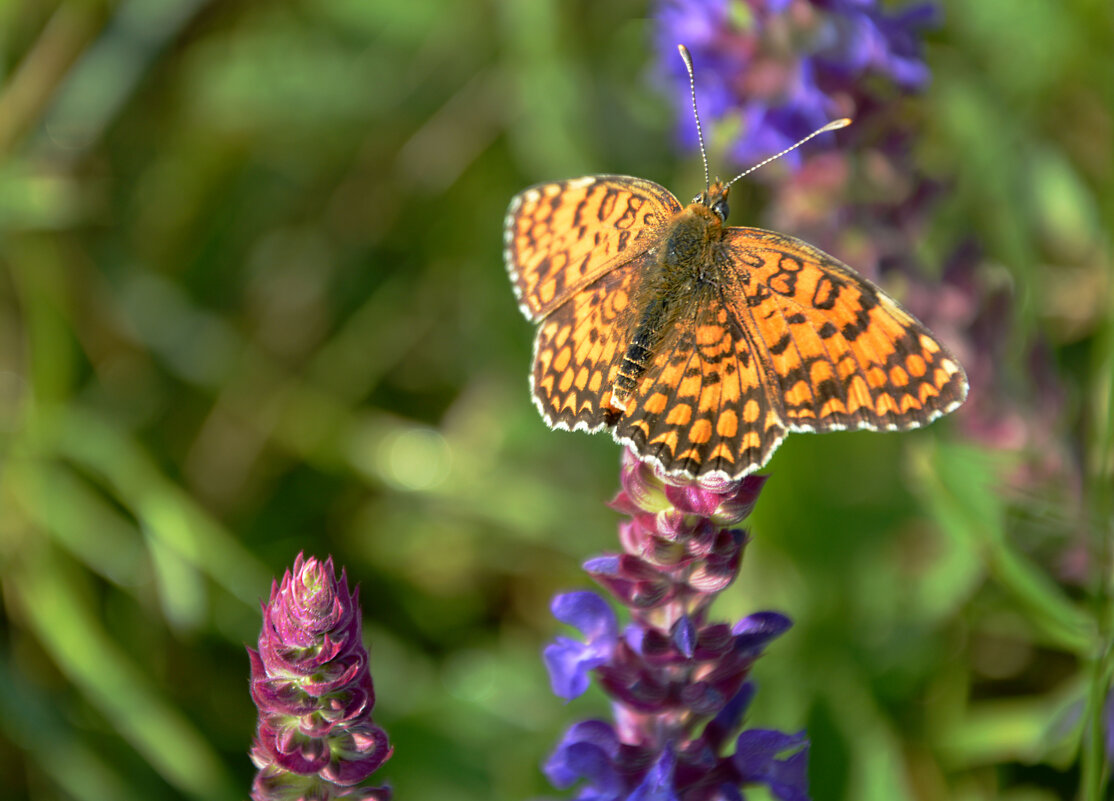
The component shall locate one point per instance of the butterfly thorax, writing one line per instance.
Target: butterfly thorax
(685, 269)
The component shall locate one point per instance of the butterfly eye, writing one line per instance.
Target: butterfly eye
(720, 209)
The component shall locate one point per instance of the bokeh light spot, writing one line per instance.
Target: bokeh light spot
(414, 458)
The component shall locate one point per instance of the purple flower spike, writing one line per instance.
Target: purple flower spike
(676, 680)
(311, 682)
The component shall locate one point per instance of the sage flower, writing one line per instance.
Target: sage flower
(678, 682)
(311, 682)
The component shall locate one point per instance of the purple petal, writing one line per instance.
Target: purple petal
(568, 660)
(693, 500)
(684, 636)
(631, 580)
(658, 783)
(788, 780)
(728, 720)
(738, 506)
(753, 632)
(640, 486)
(587, 612)
(357, 755)
(587, 751)
(755, 757)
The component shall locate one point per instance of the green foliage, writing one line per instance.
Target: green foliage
(252, 302)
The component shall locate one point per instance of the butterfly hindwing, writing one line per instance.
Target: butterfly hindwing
(578, 349)
(703, 408)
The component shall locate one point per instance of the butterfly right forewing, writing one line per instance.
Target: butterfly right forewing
(842, 354)
(561, 237)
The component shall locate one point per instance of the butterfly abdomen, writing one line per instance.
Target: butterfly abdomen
(640, 351)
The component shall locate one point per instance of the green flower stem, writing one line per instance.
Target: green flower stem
(1095, 769)
(1100, 474)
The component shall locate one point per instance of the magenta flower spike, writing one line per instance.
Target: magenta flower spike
(677, 681)
(311, 682)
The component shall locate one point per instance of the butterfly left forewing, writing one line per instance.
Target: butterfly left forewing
(842, 353)
(561, 237)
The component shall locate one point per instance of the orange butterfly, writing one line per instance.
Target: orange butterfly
(700, 345)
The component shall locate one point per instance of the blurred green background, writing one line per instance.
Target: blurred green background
(252, 302)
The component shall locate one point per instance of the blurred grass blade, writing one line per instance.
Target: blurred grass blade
(48, 741)
(29, 90)
(104, 78)
(164, 509)
(86, 525)
(1010, 730)
(59, 615)
(875, 744)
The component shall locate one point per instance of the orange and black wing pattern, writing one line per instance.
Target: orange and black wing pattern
(767, 335)
(578, 349)
(560, 237)
(704, 409)
(837, 352)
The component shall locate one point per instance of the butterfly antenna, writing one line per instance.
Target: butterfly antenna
(834, 125)
(684, 51)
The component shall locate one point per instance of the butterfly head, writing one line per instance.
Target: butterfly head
(715, 198)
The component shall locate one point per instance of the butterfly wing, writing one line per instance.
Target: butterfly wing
(579, 347)
(703, 408)
(839, 353)
(561, 237)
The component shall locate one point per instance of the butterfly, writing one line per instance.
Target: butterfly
(701, 345)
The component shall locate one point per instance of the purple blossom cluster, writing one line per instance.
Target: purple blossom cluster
(784, 68)
(678, 681)
(315, 740)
